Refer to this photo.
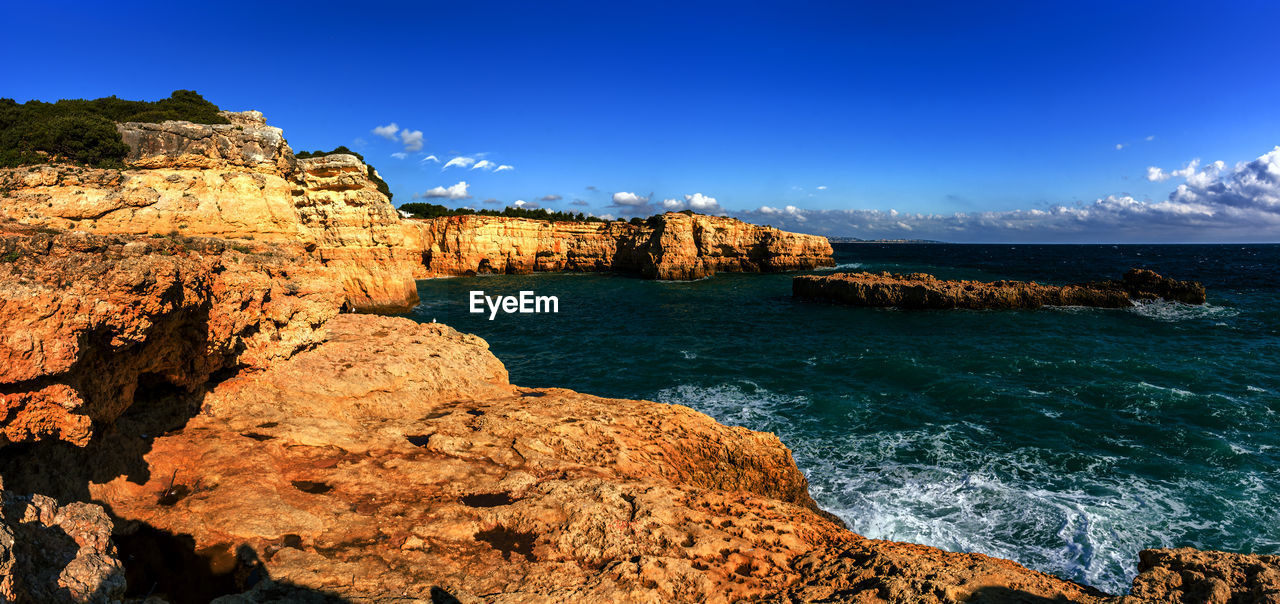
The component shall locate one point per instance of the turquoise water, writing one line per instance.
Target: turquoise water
(1065, 439)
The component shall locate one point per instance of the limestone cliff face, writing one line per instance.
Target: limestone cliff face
(356, 232)
(467, 245)
(671, 246)
(238, 180)
(91, 325)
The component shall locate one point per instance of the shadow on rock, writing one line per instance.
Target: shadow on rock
(1005, 595)
(63, 471)
(163, 564)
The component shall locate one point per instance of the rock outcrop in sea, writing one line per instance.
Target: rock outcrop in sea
(921, 291)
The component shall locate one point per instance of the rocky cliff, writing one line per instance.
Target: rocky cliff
(163, 391)
(237, 180)
(670, 246)
(91, 325)
(919, 290)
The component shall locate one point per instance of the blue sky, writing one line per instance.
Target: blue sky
(956, 121)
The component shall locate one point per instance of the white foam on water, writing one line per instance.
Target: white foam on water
(689, 355)
(1173, 312)
(841, 267)
(937, 485)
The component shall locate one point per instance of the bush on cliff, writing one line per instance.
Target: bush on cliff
(372, 173)
(84, 131)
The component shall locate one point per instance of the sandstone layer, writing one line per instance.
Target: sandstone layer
(672, 246)
(417, 470)
(91, 324)
(920, 291)
(238, 180)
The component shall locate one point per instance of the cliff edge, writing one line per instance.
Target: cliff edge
(671, 246)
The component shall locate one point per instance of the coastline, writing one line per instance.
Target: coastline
(207, 400)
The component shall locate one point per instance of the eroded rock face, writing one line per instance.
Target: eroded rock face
(357, 233)
(1189, 576)
(52, 553)
(415, 469)
(920, 291)
(91, 324)
(238, 180)
(247, 142)
(672, 246)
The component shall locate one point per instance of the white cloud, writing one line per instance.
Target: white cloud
(1217, 203)
(822, 187)
(701, 202)
(1150, 138)
(503, 168)
(399, 155)
(1119, 146)
(412, 139)
(388, 132)
(629, 199)
(519, 203)
(484, 164)
(430, 158)
(696, 202)
(458, 191)
(461, 162)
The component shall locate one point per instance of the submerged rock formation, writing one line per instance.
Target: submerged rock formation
(672, 246)
(919, 291)
(237, 180)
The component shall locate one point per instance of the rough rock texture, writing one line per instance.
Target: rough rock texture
(247, 142)
(672, 246)
(1189, 576)
(90, 324)
(357, 233)
(238, 180)
(919, 290)
(52, 553)
(416, 471)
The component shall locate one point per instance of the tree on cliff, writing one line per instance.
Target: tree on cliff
(84, 131)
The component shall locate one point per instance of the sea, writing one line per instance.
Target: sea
(1066, 439)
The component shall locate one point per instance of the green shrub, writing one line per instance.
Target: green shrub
(84, 131)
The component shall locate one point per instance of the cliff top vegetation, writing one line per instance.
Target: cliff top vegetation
(373, 173)
(84, 131)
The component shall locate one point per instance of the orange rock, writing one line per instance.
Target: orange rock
(88, 323)
(414, 468)
(671, 246)
(919, 290)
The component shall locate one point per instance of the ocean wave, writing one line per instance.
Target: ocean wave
(1173, 312)
(841, 267)
(941, 485)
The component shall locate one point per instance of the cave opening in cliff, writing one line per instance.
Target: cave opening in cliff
(159, 406)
